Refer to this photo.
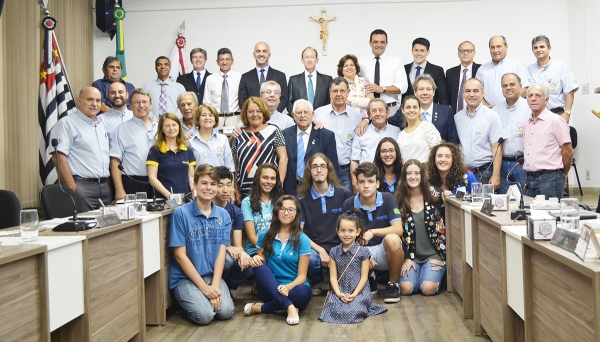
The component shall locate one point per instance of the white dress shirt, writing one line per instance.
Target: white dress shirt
(314, 81)
(212, 90)
(391, 72)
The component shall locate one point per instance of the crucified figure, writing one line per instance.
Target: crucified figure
(324, 32)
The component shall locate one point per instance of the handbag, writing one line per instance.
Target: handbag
(341, 275)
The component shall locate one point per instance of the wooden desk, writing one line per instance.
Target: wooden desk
(490, 306)
(23, 300)
(459, 272)
(562, 294)
(113, 286)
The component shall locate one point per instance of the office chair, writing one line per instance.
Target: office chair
(55, 204)
(10, 209)
(573, 134)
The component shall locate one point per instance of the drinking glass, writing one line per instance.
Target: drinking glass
(569, 213)
(129, 200)
(141, 200)
(476, 194)
(29, 225)
(488, 191)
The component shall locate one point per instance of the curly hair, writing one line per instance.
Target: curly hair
(379, 163)
(457, 170)
(403, 194)
(340, 66)
(255, 190)
(295, 229)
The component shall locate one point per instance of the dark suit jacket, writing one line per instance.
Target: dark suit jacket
(249, 86)
(297, 90)
(442, 119)
(453, 82)
(322, 140)
(437, 72)
(188, 82)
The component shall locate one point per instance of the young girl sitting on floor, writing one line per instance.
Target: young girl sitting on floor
(349, 301)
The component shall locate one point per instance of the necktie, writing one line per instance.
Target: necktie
(225, 96)
(425, 115)
(300, 157)
(377, 77)
(198, 80)
(162, 100)
(262, 76)
(461, 99)
(418, 72)
(311, 90)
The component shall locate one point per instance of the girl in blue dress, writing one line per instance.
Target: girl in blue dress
(350, 300)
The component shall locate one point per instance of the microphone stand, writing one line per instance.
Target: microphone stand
(154, 206)
(518, 215)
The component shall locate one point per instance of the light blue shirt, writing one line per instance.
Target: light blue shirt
(363, 147)
(284, 261)
(477, 133)
(85, 143)
(262, 221)
(266, 70)
(490, 74)
(413, 70)
(131, 144)
(513, 121)
(114, 118)
(173, 90)
(187, 130)
(216, 151)
(343, 126)
(557, 77)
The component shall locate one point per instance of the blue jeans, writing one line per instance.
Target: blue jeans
(266, 284)
(345, 178)
(422, 274)
(233, 274)
(315, 272)
(550, 184)
(518, 175)
(484, 177)
(198, 307)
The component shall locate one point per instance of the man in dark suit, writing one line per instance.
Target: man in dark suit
(313, 141)
(310, 79)
(457, 76)
(194, 81)
(441, 116)
(251, 81)
(420, 66)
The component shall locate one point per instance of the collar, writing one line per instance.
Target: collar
(141, 122)
(352, 249)
(502, 61)
(266, 70)
(543, 115)
(428, 110)
(166, 82)
(314, 73)
(164, 149)
(335, 113)
(381, 57)
(475, 111)
(223, 74)
(87, 119)
(422, 65)
(376, 130)
(547, 65)
(470, 67)
(378, 202)
(515, 106)
(308, 131)
(197, 134)
(393, 182)
(196, 211)
(329, 193)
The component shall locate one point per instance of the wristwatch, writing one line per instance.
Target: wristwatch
(568, 112)
(383, 90)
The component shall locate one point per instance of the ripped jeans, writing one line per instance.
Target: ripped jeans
(425, 271)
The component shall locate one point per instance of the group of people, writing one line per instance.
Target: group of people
(351, 181)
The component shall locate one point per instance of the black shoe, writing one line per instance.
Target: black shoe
(373, 283)
(392, 293)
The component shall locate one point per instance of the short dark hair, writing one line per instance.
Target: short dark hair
(541, 38)
(368, 170)
(311, 48)
(421, 41)
(224, 172)
(159, 58)
(511, 73)
(338, 81)
(340, 66)
(109, 60)
(196, 50)
(378, 31)
(224, 51)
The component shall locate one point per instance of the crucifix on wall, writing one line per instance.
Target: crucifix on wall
(323, 21)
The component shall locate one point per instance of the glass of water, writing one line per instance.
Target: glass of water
(141, 201)
(129, 200)
(488, 191)
(476, 194)
(29, 225)
(569, 213)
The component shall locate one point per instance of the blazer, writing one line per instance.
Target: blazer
(321, 140)
(453, 82)
(297, 90)
(249, 86)
(188, 82)
(437, 72)
(442, 118)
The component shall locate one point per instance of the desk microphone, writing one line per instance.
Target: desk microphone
(154, 206)
(69, 226)
(500, 142)
(521, 213)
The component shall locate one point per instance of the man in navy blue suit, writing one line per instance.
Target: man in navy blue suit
(302, 141)
(441, 116)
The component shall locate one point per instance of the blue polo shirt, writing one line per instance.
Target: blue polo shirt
(237, 218)
(262, 221)
(172, 167)
(320, 214)
(383, 214)
(201, 236)
(283, 263)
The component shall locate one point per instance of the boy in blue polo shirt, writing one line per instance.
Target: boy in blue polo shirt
(200, 234)
(383, 227)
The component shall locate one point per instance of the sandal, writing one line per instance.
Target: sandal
(248, 308)
(292, 320)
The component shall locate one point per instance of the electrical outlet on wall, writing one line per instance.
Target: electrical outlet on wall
(585, 88)
(588, 175)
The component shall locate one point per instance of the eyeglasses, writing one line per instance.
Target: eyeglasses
(317, 167)
(272, 92)
(137, 103)
(390, 151)
(288, 210)
(469, 51)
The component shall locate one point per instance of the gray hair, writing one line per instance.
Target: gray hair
(376, 100)
(503, 38)
(339, 80)
(311, 48)
(140, 91)
(302, 101)
(194, 96)
(541, 85)
(541, 38)
(466, 41)
(196, 50)
(269, 83)
(511, 73)
(424, 77)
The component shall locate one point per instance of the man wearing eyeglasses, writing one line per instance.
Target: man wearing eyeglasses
(457, 76)
(321, 198)
(302, 141)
